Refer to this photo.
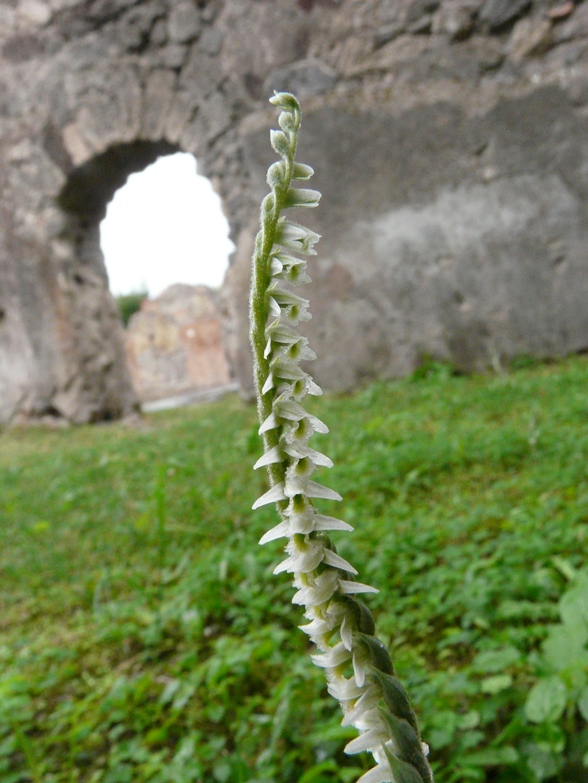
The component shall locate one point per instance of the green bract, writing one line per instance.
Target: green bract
(358, 667)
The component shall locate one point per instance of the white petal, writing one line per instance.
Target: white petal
(366, 702)
(330, 523)
(368, 719)
(370, 739)
(344, 689)
(336, 609)
(359, 670)
(300, 450)
(271, 496)
(335, 657)
(286, 298)
(302, 560)
(301, 516)
(278, 332)
(352, 588)
(315, 490)
(346, 632)
(319, 459)
(271, 457)
(313, 388)
(297, 485)
(379, 774)
(332, 559)
(269, 384)
(279, 531)
(288, 409)
(302, 523)
(285, 565)
(269, 424)
(274, 307)
(317, 627)
(297, 238)
(315, 595)
(317, 424)
(287, 370)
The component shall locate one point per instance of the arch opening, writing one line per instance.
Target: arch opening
(164, 241)
(165, 226)
(174, 345)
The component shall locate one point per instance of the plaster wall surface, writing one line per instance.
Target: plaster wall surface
(449, 140)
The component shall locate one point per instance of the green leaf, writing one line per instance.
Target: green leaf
(497, 683)
(495, 660)
(573, 605)
(469, 721)
(443, 726)
(542, 762)
(565, 646)
(492, 757)
(316, 774)
(583, 703)
(546, 701)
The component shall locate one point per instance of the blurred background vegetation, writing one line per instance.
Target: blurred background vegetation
(129, 304)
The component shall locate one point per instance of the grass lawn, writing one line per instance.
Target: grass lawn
(143, 637)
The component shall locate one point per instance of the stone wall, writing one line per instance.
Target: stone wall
(174, 344)
(449, 140)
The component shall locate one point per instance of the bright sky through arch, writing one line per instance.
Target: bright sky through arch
(164, 226)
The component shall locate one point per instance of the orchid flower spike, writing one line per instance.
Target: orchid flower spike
(358, 668)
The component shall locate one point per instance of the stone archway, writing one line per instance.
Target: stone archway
(89, 90)
(448, 138)
(61, 349)
(95, 336)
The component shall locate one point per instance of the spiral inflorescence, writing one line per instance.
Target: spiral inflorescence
(359, 671)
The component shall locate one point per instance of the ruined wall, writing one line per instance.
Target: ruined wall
(449, 140)
(174, 343)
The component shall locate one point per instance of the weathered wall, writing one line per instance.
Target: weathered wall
(449, 140)
(175, 345)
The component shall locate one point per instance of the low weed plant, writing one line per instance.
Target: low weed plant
(144, 638)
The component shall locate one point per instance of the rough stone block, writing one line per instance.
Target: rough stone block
(158, 97)
(35, 11)
(531, 36)
(184, 22)
(456, 18)
(498, 13)
(305, 78)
